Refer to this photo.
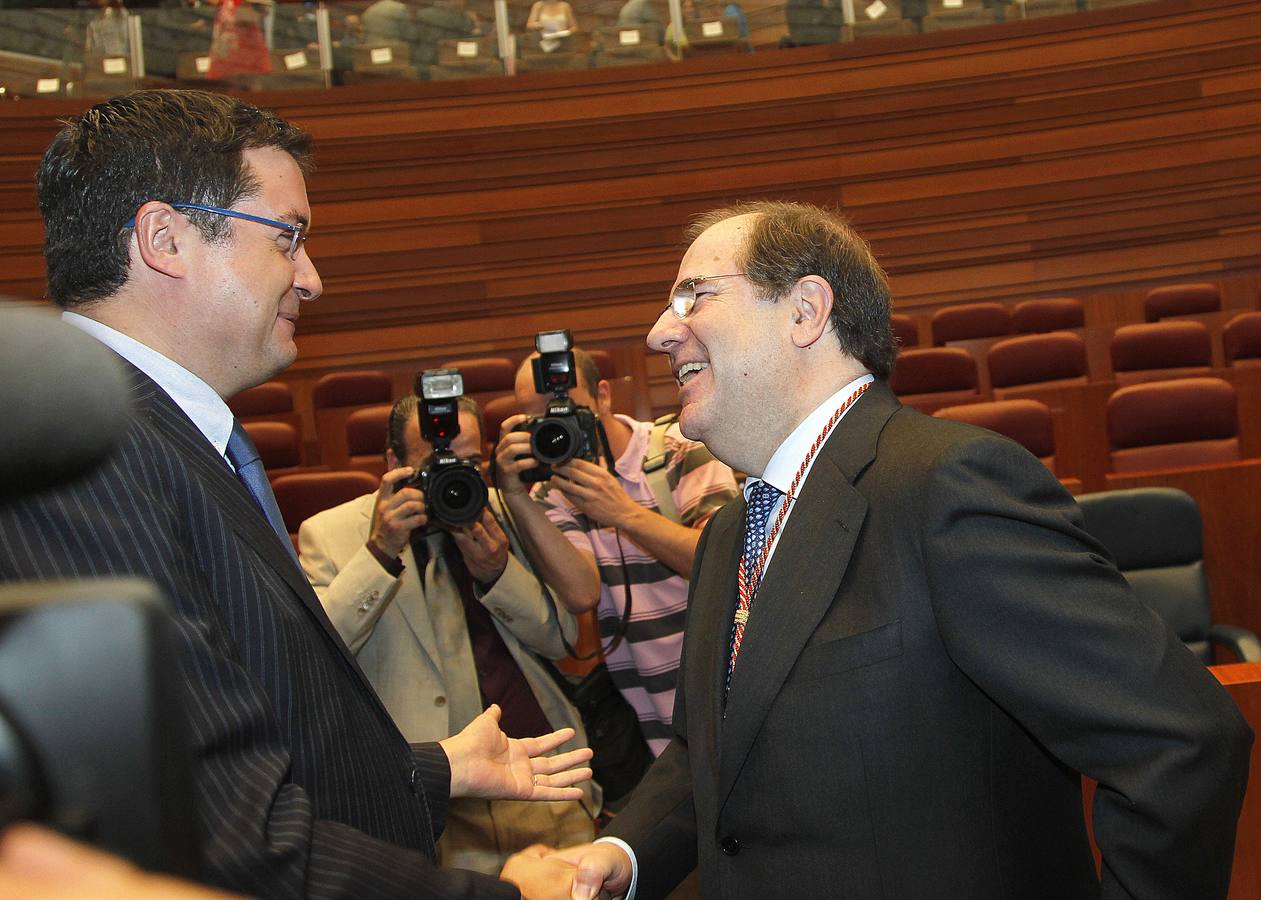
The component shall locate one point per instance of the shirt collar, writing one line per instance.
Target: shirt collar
(197, 399)
(783, 465)
(630, 465)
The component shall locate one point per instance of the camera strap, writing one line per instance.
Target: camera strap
(655, 471)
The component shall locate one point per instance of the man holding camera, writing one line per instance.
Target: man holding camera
(596, 535)
(444, 621)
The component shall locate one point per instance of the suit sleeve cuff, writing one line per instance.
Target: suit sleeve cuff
(433, 775)
(630, 891)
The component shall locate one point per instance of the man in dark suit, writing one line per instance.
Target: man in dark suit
(175, 224)
(936, 649)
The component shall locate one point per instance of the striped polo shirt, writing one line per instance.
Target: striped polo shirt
(645, 665)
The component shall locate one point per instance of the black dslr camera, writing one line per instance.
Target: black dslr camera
(454, 491)
(566, 430)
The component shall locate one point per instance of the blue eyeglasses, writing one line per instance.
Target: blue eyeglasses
(290, 240)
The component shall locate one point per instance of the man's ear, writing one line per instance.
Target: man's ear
(162, 239)
(603, 397)
(811, 303)
(391, 461)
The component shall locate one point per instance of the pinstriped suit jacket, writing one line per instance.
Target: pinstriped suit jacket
(303, 785)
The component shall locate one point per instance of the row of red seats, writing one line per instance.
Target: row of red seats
(969, 321)
(1155, 425)
(351, 410)
(931, 377)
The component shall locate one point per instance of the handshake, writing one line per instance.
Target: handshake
(582, 872)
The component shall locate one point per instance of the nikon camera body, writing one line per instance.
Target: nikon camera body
(566, 430)
(454, 491)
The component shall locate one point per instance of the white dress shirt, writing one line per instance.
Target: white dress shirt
(779, 473)
(197, 399)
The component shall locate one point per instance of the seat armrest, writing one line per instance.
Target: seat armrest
(1242, 642)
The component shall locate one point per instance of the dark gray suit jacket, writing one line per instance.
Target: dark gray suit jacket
(304, 787)
(936, 652)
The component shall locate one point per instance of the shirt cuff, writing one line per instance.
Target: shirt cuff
(392, 564)
(630, 891)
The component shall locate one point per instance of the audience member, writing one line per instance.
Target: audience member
(640, 12)
(441, 20)
(445, 621)
(592, 534)
(554, 21)
(813, 22)
(175, 224)
(902, 647)
(389, 20)
(237, 45)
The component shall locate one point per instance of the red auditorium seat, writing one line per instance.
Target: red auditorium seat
(486, 374)
(493, 414)
(1027, 422)
(1241, 340)
(304, 494)
(351, 389)
(279, 445)
(905, 330)
(967, 321)
(366, 438)
(1056, 359)
(1047, 314)
(1181, 300)
(1170, 424)
(335, 397)
(929, 378)
(264, 400)
(1178, 349)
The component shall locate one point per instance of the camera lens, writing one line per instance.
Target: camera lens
(456, 495)
(554, 441)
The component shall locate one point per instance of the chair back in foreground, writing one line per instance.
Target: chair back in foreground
(1173, 424)
(1156, 537)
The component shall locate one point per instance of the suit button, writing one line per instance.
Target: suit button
(413, 781)
(440, 700)
(729, 845)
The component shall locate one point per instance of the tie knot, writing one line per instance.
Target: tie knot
(762, 497)
(241, 451)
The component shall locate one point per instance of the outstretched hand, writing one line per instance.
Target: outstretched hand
(487, 763)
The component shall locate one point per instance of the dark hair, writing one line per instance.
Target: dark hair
(405, 410)
(791, 240)
(173, 146)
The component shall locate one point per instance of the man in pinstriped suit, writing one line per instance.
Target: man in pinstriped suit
(303, 785)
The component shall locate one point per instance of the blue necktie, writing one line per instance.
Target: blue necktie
(249, 468)
(762, 498)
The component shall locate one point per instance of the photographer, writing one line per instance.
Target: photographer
(591, 533)
(444, 620)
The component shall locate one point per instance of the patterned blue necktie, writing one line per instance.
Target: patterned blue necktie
(762, 498)
(249, 468)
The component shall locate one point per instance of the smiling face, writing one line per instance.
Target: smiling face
(250, 291)
(731, 354)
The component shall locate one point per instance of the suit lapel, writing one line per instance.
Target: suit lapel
(711, 623)
(411, 597)
(234, 502)
(802, 580)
